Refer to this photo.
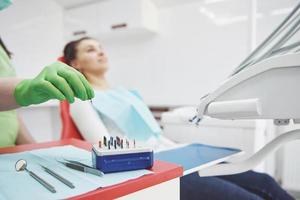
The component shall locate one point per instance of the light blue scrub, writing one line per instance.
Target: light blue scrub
(4, 4)
(127, 111)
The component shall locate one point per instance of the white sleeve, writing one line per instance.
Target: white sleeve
(87, 121)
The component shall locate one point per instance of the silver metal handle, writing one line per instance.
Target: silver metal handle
(93, 171)
(42, 182)
(59, 177)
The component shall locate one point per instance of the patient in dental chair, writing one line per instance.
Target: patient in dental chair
(123, 112)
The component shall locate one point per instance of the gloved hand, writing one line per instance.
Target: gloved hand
(56, 81)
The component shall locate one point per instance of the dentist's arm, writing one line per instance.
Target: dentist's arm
(7, 99)
(56, 81)
(24, 136)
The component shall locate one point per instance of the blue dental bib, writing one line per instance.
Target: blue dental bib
(128, 112)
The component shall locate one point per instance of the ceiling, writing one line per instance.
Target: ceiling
(69, 4)
(234, 5)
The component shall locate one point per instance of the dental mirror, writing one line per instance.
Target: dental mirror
(21, 166)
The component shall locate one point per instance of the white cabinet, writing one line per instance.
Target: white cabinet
(43, 121)
(165, 190)
(113, 20)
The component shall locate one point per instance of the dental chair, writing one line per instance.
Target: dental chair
(69, 129)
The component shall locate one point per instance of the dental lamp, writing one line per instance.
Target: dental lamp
(266, 85)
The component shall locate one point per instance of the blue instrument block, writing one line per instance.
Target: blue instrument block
(117, 160)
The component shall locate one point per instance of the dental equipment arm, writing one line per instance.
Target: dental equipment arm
(265, 86)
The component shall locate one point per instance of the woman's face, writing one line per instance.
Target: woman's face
(90, 57)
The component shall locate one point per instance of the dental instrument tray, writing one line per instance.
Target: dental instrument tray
(119, 159)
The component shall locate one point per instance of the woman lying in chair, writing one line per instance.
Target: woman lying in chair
(123, 112)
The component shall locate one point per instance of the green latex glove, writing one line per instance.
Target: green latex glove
(56, 81)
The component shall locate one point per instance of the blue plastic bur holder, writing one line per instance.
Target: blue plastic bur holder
(117, 160)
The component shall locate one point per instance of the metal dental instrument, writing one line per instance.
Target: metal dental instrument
(77, 162)
(21, 166)
(289, 21)
(195, 120)
(104, 141)
(111, 141)
(115, 144)
(59, 177)
(97, 171)
(81, 167)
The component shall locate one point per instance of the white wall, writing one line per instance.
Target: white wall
(189, 56)
(192, 52)
(33, 31)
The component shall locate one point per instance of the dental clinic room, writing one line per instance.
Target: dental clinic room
(150, 99)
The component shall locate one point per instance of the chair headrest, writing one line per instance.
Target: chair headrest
(62, 59)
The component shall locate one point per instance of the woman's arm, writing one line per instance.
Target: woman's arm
(24, 136)
(88, 121)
